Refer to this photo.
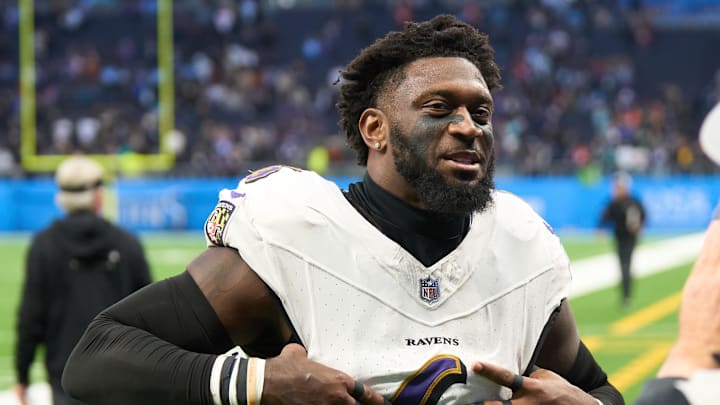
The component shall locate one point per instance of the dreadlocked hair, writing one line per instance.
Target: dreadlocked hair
(380, 65)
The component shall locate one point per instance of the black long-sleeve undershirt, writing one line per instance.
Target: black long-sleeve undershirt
(587, 375)
(120, 343)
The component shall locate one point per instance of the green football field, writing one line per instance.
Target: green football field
(629, 343)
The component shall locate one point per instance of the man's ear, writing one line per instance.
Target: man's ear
(374, 128)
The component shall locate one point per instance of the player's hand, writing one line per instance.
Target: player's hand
(291, 378)
(542, 387)
(699, 324)
(21, 393)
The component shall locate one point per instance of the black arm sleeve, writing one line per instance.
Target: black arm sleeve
(661, 391)
(156, 346)
(586, 374)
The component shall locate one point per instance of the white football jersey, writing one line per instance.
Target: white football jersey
(362, 304)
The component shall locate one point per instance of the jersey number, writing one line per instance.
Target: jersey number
(427, 385)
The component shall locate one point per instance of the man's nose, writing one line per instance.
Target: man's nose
(464, 125)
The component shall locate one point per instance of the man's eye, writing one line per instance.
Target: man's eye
(482, 114)
(437, 106)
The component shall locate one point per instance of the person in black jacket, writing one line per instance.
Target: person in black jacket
(75, 268)
(626, 215)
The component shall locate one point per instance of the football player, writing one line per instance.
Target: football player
(386, 292)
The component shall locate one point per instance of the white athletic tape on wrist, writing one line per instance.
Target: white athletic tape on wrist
(255, 380)
(215, 379)
(237, 381)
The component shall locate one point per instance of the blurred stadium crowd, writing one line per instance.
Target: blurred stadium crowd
(589, 86)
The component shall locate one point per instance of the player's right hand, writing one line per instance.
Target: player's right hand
(291, 378)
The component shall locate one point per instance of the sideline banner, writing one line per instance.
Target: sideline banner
(674, 204)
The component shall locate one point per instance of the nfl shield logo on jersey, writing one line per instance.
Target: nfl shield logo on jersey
(429, 289)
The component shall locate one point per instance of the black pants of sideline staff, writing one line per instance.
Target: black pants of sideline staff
(625, 248)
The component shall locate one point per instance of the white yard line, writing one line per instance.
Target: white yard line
(38, 394)
(602, 271)
(588, 274)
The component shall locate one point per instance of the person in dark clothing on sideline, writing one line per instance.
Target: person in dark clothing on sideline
(75, 268)
(626, 215)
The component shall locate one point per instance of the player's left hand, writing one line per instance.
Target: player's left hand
(542, 387)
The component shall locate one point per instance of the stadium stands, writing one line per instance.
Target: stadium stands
(590, 87)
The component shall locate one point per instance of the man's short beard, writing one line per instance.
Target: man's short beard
(433, 189)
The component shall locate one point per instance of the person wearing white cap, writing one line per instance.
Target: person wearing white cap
(691, 371)
(75, 268)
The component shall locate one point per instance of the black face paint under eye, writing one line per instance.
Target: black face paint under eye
(488, 135)
(426, 129)
(426, 126)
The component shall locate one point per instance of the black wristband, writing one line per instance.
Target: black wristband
(241, 382)
(224, 388)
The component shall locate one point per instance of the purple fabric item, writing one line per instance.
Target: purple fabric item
(429, 379)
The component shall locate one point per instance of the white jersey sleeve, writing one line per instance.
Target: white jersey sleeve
(266, 202)
(524, 223)
(521, 229)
